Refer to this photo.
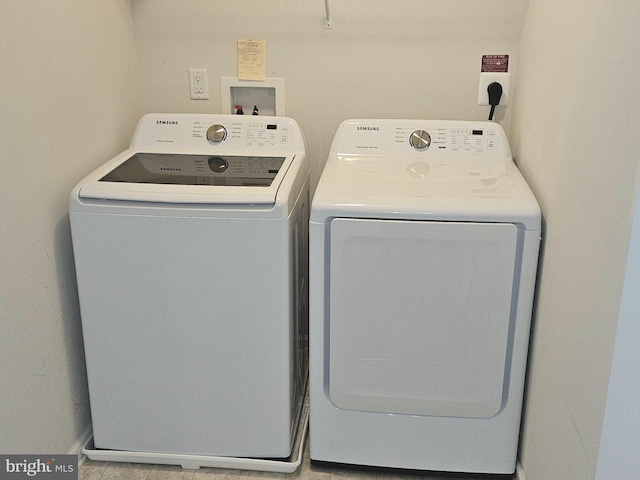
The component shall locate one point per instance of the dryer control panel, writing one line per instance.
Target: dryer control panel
(422, 138)
(217, 133)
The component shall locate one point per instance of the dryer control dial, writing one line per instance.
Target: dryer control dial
(420, 139)
(216, 133)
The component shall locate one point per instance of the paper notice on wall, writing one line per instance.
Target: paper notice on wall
(251, 60)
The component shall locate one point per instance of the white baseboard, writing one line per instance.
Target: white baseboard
(519, 471)
(76, 448)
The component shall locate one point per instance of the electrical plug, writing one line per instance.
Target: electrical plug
(495, 92)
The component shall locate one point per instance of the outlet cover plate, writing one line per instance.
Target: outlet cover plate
(198, 84)
(486, 78)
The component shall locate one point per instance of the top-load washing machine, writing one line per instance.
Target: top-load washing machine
(191, 258)
(424, 241)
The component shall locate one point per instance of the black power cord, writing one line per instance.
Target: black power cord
(495, 92)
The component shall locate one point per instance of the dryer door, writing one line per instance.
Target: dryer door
(419, 316)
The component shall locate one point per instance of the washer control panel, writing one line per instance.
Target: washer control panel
(247, 134)
(218, 133)
(427, 138)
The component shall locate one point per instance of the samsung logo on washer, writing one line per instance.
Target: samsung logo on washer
(369, 129)
(170, 169)
(166, 122)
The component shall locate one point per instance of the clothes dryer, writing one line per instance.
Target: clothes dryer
(424, 241)
(190, 252)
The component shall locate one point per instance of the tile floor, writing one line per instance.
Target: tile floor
(93, 470)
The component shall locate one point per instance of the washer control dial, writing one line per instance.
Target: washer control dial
(216, 133)
(420, 139)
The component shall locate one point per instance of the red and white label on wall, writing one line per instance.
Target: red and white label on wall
(495, 63)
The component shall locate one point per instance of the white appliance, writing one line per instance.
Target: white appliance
(191, 259)
(424, 241)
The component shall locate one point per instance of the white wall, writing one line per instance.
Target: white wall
(620, 442)
(402, 59)
(575, 130)
(68, 86)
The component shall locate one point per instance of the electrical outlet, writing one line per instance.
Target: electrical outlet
(486, 78)
(198, 84)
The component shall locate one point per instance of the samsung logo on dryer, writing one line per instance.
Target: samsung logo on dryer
(166, 122)
(170, 169)
(368, 129)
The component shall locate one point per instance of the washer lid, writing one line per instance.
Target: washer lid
(188, 178)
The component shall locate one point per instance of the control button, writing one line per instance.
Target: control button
(216, 133)
(218, 164)
(420, 139)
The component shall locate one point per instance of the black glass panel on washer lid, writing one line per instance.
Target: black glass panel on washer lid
(217, 170)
